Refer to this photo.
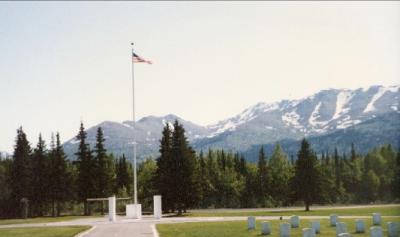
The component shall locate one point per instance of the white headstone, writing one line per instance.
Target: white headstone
(251, 223)
(157, 207)
(360, 226)
(333, 218)
(308, 232)
(294, 221)
(344, 235)
(376, 219)
(284, 230)
(134, 211)
(112, 212)
(340, 228)
(265, 228)
(392, 229)
(316, 226)
(375, 231)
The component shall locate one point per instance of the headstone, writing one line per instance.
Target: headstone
(392, 229)
(112, 209)
(333, 219)
(316, 226)
(251, 223)
(308, 232)
(344, 235)
(375, 231)
(294, 221)
(376, 219)
(265, 228)
(360, 226)
(284, 230)
(157, 206)
(340, 228)
(134, 211)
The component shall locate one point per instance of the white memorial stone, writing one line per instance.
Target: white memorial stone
(284, 230)
(376, 219)
(360, 226)
(308, 232)
(333, 219)
(134, 211)
(316, 226)
(344, 235)
(251, 223)
(294, 221)
(157, 207)
(340, 228)
(392, 229)
(112, 209)
(375, 231)
(265, 228)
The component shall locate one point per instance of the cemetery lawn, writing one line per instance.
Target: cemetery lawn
(359, 211)
(39, 220)
(65, 231)
(239, 228)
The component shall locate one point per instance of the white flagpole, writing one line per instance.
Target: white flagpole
(134, 134)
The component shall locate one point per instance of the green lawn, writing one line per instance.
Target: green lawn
(67, 231)
(239, 229)
(39, 220)
(366, 211)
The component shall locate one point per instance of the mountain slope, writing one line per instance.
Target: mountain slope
(323, 113)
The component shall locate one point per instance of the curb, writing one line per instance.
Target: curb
(154, 229)
(82, 234)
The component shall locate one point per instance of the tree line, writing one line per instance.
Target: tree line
(50, 183)
(43, 181)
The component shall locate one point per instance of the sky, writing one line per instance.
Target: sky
(63, 62)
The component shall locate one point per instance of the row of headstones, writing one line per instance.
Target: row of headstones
(341, 230)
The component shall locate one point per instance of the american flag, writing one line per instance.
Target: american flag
(137, 59)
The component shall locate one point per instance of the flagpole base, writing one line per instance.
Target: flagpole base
(134, 211)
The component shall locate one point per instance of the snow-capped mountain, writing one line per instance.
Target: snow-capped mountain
(322, 113)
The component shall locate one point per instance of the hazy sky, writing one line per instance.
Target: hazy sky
(61, 62)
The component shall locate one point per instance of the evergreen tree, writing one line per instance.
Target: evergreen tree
(21, 170)
(61, 177)
(166, 167)
(85, 166)
(281, 173)
(104, 169)
(40, 178)
(307, 179)
(262, 177)
(123, 175)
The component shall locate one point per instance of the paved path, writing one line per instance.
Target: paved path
(124, 227)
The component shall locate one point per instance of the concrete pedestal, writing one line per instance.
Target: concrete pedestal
(112, 209)
(157, 207)
(134, 211)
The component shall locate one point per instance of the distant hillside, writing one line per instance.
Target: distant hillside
(320, 116)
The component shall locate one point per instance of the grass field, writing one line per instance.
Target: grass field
(39, 220)
(67, 231)
(365, 211)
(239, 228)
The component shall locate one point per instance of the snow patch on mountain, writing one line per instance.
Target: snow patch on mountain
(291, 119)
(342, 99)
(381, 91)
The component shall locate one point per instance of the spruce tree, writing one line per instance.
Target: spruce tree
(262, 177)
(281, 173)
(307, 179)
(123, 175)
(40, 178)
(85, 166)
(21, 171)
